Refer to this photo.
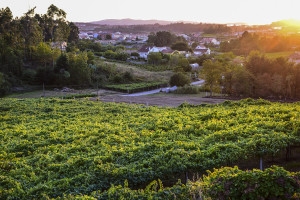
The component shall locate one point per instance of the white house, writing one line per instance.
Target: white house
(144, 51)
(295, 57)
(200, 47)
(158, 49)
(195, 66)
(186, 37)
(210, 41)
(200, 52)
(61, 45)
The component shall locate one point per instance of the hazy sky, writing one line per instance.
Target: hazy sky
(220, 11)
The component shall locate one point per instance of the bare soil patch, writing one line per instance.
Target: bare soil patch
(168, 101)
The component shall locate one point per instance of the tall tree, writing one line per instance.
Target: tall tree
(212, 73)
(74, 32)
(31, 31)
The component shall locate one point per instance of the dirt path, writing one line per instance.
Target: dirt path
(169, 101)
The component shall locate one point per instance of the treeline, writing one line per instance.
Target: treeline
(253, 42)
(45, 49)
(176, 27)
(166, 38)
(30, 45)
(259, 76)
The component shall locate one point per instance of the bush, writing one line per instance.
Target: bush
(117, 78)
(233, 183)
(179, 79)
(136, 54)
(5, 85)
(128, 77)
(45, 75)
(187, 89)
(109, 54)
(121, 56)
(29, 75)
(99, 54)
(72, 96)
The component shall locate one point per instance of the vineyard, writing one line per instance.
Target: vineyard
(136, 87)
(51, 147)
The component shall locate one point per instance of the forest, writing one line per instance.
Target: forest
(253, 42)
(258, 76)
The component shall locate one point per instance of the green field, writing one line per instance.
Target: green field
(141, 73)
(279, 54)
(52, 147)
(135, 86)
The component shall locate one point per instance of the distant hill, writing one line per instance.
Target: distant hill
(128, 22)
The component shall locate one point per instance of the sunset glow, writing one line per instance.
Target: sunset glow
(216, 11)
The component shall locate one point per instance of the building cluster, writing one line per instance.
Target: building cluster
(113, 37)
(199, 50)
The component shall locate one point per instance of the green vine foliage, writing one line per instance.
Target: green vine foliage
(235, 184)
(52, 147)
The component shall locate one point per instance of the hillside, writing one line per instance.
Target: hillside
(127, 22)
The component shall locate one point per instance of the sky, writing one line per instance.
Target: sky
(210, 11)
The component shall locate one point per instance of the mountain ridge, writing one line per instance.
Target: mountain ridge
(129, 21)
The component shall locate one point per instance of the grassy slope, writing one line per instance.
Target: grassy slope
(279, 54)
(148, 76)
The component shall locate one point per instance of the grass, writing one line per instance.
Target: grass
(83, 95)
(134, 86)
(209, 35)
(279, 54)
(147, 76)
(51, 93)
(201, 94)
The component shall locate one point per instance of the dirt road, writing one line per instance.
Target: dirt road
(169, 101)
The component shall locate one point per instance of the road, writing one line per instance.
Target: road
(157, 90)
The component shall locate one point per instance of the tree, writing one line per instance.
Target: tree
(135, 54)
(161, 38)
(4, 85)
(180, 46)
(122, 56)
(74, 33)
(109, 54)
(194, 45)
(184, 64)
(44, 54)
(179, 79)
(211, 73)
(31, 31)
(154, 58)
(108, 37)
(62, 62)
(6, 18)
(80, 73)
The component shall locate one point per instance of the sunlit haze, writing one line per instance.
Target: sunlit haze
(216, 11)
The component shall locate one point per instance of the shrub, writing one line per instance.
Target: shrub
(5, 85)
(136, 54)
(128, 77)
(187, 89)
(29, 75)
(83, 95)
(179, 79)
(233, 183)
